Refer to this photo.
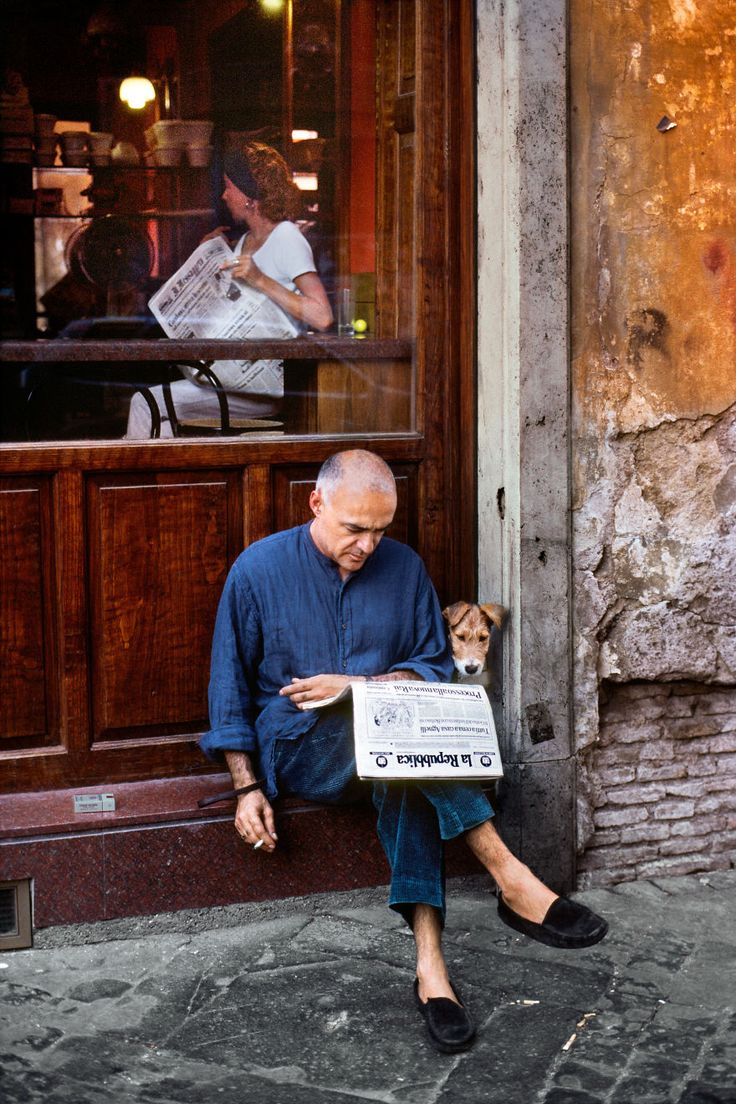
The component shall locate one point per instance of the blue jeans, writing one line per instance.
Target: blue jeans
(414, 818)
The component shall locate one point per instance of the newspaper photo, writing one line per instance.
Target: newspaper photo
(424, 730)
(203, 300)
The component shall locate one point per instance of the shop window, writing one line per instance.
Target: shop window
(104, 201)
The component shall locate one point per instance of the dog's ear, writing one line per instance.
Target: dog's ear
(456, 612)
(495, 613)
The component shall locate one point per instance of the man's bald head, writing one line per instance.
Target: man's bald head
(359, 471)
(353, 504)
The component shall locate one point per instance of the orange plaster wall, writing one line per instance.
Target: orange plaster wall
(653, 214)
(653, 293)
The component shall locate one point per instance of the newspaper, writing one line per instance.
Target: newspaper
(203, 300)
(422, 730)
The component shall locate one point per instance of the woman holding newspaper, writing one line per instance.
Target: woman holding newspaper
(275, 260)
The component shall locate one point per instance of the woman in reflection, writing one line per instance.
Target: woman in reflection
(273, 257)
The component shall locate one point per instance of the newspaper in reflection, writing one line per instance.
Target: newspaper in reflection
(202, 300)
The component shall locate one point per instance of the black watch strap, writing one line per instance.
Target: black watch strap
(230, 795)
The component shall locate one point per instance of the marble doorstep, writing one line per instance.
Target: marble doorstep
(164, 867)
(159, 853)
(48, 812)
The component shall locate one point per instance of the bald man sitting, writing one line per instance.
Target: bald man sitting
(303, 613)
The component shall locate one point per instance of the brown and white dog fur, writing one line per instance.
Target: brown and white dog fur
(470, 628)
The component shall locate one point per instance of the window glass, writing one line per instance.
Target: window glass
(175, 174)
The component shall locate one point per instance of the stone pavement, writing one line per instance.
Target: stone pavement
(309, 1001)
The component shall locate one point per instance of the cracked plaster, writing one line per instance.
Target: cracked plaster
(654, 557)
(654, 345)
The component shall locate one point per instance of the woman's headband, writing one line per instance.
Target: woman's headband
(238, 170)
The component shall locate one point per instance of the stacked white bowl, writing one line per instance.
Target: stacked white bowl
(168, 139)
(100, 144)
(75, 148)
(164, 143)
(44, 140)
(196, 135)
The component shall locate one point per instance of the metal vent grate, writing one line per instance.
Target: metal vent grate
(8, 910)
(15, 915)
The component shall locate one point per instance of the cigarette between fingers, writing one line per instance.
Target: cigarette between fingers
(258, 844)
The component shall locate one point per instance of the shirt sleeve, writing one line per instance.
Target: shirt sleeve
(295, 252)
(236, 651)
(430, 658)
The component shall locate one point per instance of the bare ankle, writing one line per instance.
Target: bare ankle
(525, 894)
(434, 981)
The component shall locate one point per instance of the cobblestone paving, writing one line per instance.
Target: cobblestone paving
(310, 1002)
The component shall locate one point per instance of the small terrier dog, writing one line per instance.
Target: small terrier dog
(469, 627)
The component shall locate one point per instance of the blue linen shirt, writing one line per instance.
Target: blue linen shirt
(286, 612)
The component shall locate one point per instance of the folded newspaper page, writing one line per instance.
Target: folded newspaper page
(203, 300)
(422, 730)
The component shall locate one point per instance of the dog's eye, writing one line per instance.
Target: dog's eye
(462, 636)
(483, 637)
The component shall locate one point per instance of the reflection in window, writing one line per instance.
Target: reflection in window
(103, 203)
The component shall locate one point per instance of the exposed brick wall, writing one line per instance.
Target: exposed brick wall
(663, 783)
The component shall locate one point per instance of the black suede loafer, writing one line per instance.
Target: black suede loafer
(449, 1025)
(567, 924)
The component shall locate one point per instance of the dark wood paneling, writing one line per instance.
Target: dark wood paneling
(426, 258)
(460, 187)
(291, 489)
(159, 554)
(386, 169)
(360, 396)
(444, 295)
(174, 455)
(26, 683)
(405, 524)
(406, 305)
(258, 503)
(310, 347)
(407, 46)
(70, 604)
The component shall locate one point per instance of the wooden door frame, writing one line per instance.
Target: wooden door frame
(444, 284)
(453, 343)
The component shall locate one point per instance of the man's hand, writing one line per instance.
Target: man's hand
(254, 821)
(315, 688)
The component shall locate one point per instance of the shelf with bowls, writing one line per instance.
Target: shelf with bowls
(172, 142)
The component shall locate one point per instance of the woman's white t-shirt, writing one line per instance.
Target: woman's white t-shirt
(285, 255)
